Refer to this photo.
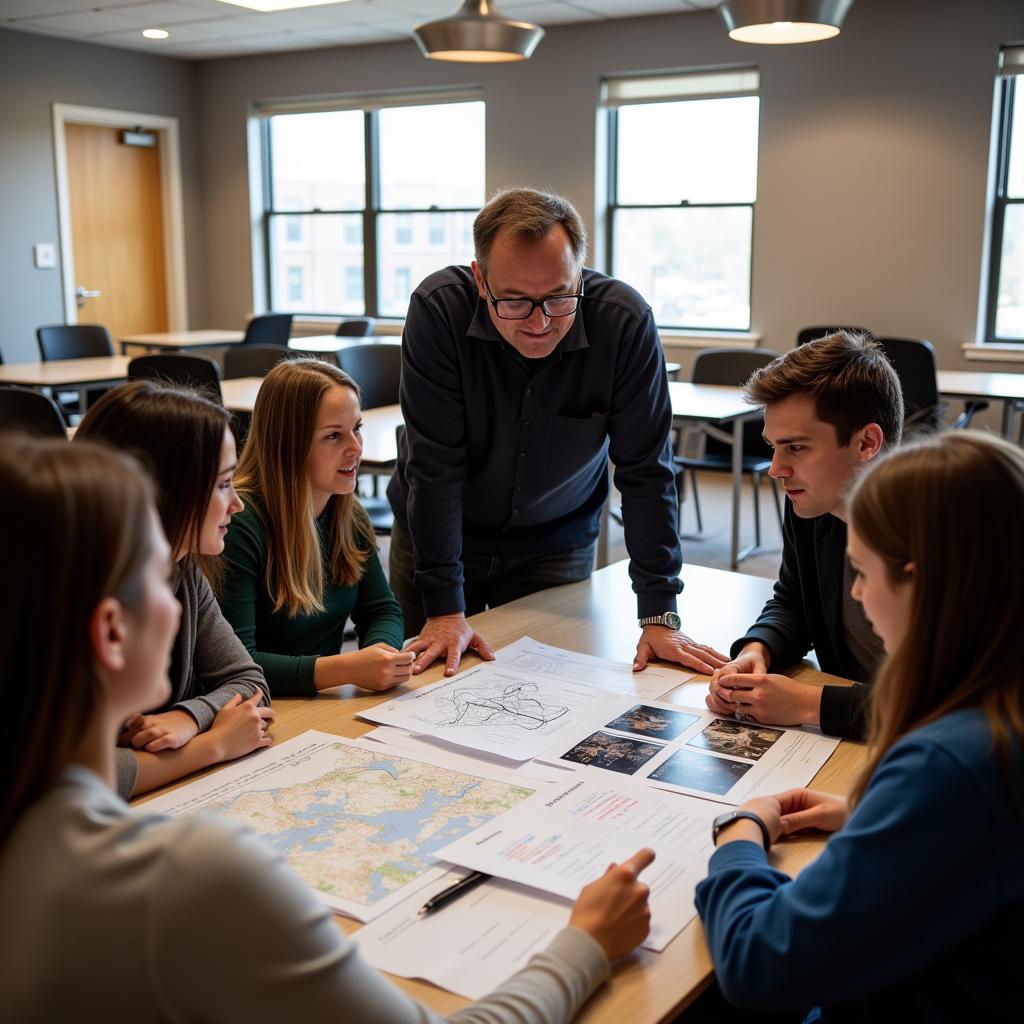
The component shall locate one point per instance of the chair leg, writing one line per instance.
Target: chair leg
(755, 483)
(696, 500)
(778, 503)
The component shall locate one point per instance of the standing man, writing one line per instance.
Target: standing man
(521, 375)
(830, 408)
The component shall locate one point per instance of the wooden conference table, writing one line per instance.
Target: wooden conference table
(175, 341)
(598, 617)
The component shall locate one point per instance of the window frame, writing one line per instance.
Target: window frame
(614, 206)
(1008, 96)
(371, 211)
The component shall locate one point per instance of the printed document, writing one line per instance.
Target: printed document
(560, 840)
(688, 751)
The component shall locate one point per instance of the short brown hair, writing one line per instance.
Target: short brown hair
(529, 215)
(849, 378)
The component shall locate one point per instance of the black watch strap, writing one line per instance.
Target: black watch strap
(723, 820)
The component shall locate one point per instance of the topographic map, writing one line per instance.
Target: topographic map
(356, 824)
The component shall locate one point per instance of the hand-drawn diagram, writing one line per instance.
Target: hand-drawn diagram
(513, 703)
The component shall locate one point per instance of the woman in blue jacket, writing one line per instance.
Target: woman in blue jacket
(913, 910)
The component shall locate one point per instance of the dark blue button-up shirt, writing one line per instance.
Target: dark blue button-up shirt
(508, 455)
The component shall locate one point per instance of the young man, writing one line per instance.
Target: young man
(830, 407)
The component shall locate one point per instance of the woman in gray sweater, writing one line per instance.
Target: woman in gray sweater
(124, 915)
(219, 705)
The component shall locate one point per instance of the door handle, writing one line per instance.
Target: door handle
(81, 294)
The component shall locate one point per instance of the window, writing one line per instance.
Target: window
(1005, 314)
(295, 293)
(680, 226)
(412, 174)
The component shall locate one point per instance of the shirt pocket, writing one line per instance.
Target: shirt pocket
(575, 442)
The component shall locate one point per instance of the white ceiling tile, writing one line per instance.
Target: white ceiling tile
(85, 23)
(32, 8)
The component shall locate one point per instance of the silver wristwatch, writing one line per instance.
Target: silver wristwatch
(669, 619)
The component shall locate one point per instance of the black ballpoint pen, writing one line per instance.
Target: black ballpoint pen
(453, 892)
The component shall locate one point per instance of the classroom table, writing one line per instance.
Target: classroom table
(326, 343)
(598, 616)
(78, 374)
(174, 341)
(719, 406)
(1007, 388)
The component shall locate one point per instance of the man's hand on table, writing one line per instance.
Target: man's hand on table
(660, 642)
(745, 689)
(447, 636)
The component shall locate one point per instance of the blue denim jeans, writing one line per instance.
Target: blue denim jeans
(489, 581)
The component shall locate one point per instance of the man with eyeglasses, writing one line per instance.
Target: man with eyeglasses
(521, 376)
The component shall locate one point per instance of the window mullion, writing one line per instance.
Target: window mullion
(371, 289)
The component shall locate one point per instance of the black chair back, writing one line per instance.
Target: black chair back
(913, 359)
(356, 327)
(188, 370)
(269, 329)
(733, 367)
(813, 333)
(252, 360)
(31, 411)
(377, 369)
(73, 341)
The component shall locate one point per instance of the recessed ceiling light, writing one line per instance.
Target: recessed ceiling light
(156, 33)
(264, 6)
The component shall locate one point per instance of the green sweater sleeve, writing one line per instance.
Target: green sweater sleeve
(245, 561)
(377, 615)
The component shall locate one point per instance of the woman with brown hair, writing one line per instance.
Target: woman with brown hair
(219, 707)
(127, 915)
(301, 560)
(912, 911)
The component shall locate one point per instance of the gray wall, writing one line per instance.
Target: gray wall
(873, 150)
(35, 72)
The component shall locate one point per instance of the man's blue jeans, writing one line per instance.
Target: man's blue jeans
(489, 581)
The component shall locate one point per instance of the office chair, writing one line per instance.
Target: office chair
(268, 329)
(188, 370)
(356, 327)
(74, 341)
(731, 367)
(253, 360)
(32, 412)
(377, 369)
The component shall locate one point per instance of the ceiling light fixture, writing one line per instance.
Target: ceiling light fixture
(156, 33)
(478, 32)
(783, 21)
(267, 6)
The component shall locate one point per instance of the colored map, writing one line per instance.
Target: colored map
(368, 824)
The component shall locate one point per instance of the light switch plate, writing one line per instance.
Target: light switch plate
(45, 255)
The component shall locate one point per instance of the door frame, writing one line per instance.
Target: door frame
(171, 203)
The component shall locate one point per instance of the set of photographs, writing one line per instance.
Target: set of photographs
(697, 764)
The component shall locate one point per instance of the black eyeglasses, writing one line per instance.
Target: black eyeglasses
(522, 309)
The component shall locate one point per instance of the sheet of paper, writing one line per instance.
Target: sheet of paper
(682, 749)
(495, 709)
(533, 657)
(358, 822)
(560, 840)
(402, 739)
(475, 942)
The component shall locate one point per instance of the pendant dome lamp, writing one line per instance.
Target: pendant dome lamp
(783, 21)
(478, 32)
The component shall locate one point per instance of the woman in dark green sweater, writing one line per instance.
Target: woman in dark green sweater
(301, 559)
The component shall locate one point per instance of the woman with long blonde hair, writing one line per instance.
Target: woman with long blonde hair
(301, 559)
(913, 910)
(118, 915)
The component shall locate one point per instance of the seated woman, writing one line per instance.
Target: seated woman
(301, 560)
(912, 911)
(218, 708)
(135, 915)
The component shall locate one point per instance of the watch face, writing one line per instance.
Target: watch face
(672, 620)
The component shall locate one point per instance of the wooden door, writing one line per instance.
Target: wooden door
(117, 230)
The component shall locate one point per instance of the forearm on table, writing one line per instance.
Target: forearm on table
(155, 770)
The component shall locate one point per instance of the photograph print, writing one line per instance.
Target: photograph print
(738, 739)
(614, 753)
(691, 770)
(658, 723)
